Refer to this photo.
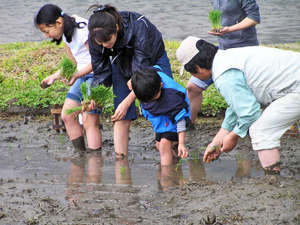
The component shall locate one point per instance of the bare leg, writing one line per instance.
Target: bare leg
(122, 171)
(121, 136)
(165, 150)
(94, 167)
(268, 157)
(73, 127)
(93, 134)
(195, 98)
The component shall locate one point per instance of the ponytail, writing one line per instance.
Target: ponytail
(48, 15)
(103, 21)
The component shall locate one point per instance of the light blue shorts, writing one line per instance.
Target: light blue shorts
(75, 94)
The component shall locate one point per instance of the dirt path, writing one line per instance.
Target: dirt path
(42, 182)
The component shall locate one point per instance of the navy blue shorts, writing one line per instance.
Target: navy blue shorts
(121, 90)
(171, 136)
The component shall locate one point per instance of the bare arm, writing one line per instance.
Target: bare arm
(244, 24)
(182, 151)
(85, 70)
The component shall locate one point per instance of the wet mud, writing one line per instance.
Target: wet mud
(43, 182)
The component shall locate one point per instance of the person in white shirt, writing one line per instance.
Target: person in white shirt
(247, 78)
(73, 31)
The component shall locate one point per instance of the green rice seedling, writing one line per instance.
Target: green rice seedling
(101, 95)
(2, 78)
(68, 68)
(215, 20)
(122, 171)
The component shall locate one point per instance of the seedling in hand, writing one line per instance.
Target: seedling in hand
(99, 95)
(215, 20)
(68, 68)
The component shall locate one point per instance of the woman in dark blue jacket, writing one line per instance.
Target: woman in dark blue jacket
(120, 43)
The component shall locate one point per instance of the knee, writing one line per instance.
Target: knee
(164, 146)
(90, 122)
(65, 117)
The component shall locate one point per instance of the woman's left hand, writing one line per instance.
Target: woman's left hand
(129, 85)
(73, 79)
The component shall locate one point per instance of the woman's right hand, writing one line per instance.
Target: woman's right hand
(48, 81)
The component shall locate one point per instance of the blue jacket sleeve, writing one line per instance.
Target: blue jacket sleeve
(244, 108)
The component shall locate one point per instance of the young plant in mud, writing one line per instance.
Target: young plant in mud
(2, 78)
(122, 171)
(68, 68)
(101, 95)
(215, 20)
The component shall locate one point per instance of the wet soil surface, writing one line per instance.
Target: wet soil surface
(44, 182)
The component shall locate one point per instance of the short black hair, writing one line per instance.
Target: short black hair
(204, 58)
(146, 83)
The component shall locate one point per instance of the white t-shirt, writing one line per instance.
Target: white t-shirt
(77, 45)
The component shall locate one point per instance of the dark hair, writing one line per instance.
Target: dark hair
(48, 15)
(145, 84)
(204, 58)
(102, 23)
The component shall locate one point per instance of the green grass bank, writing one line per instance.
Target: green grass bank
(24, 65)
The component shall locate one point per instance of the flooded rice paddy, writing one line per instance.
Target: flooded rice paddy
(43, 182)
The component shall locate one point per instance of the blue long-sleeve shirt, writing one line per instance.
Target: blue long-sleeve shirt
(243, 108)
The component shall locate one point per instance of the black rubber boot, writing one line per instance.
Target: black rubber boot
(273, 169)
(79, 144)
(89, 150)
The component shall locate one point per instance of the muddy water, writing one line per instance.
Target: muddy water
(280, 20)
(43, 182)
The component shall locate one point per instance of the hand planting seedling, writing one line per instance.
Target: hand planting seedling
(215, 20)
(212, 153)
(66, 71)
(99, 97)
(68, 68)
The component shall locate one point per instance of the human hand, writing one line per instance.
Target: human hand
(211, 153)
(73, 79)
(129, 85)
(220, 32)
(88, 106)
(229, 142)
(120, 112)
(182, 151)
(48, 81)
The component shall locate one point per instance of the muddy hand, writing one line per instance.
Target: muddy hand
(44, 84)
(182, 151)
(212, 153)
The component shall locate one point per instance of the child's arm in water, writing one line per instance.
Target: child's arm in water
(182, 150)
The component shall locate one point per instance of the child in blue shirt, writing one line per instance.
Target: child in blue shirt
(165, 104)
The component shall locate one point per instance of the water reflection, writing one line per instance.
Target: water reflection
(122, 171)
(279, 20)
(78, 175)
(169, 176)
(193, 170)
(89, 169)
